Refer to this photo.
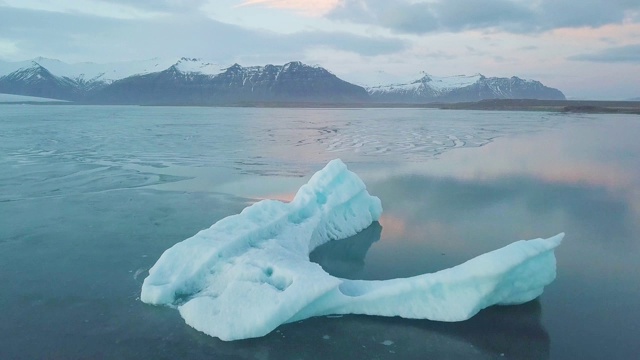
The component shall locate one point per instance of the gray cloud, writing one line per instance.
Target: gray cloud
(161, 5)
(401, 16)
(457, 15)
(67, 36)
(359, 11)
(589, 13)
(410, 18)
(347, 42)
(44, 33)
(628, 53)
(517, 16)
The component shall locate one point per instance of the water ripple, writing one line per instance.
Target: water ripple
(80, 145)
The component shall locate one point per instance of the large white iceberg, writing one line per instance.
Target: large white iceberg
(249, 273)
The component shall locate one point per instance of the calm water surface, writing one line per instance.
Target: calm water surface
(91, 196)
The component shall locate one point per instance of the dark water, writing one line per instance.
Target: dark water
(91, 196)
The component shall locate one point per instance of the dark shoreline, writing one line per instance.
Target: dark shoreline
(567, 106)
(561, 106)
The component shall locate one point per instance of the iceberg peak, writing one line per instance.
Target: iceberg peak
(249, 273)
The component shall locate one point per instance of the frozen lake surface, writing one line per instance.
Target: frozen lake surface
(91, 196)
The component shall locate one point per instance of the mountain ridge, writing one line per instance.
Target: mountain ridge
(193, 81)
(463, 88)
(293, 81)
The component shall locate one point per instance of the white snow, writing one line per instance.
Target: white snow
(91, 71)
(250, 272)
(105, 72)
(406, 87)
(187, 65)
(436, 84)
(452, 82)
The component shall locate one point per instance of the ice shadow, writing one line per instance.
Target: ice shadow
(512, 331)
(345, 258)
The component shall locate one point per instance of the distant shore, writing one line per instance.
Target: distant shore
(566, 106)
(569, 106)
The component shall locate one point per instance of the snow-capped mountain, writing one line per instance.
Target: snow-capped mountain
(60, 80)
(35, 80)
(89, 71)
(463, 88)
(292, 81)
(198, 66)
(191, 81)
(187, 81)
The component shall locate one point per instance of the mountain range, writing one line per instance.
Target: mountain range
(463, 88)
(189, 81)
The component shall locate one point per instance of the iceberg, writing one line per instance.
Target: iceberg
(249, 273)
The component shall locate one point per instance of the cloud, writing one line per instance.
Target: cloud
(74, 37)
(401, 16)
(312, 7)
(163, 4)
(347, 42)
(107, 9)
(458, 15)
(52, 33)
(7, 48)
(423, 17)
(586, 13)
(628, 54)
(516, 16)
(410, 18)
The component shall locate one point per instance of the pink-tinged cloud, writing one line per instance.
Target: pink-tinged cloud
(310, 7)
(620, 34)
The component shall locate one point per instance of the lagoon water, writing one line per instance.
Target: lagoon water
(91, 196)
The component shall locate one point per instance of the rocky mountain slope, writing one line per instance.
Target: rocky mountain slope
(35, 80)
(185, 82)
(292, 82)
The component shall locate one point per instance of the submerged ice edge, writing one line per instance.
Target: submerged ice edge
(249, 273)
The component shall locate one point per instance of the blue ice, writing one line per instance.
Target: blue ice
(249, 273)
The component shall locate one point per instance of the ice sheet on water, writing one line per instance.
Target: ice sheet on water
(249, 273)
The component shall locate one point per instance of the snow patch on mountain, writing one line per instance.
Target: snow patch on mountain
(33, 72)
(293, 80)
(430, 83)
(457, 88)
(450, 82)
(194, 65)
(89, 71)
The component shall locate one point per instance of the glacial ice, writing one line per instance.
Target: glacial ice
(249, 273)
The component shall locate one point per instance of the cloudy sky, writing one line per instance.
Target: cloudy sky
(586, 48)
